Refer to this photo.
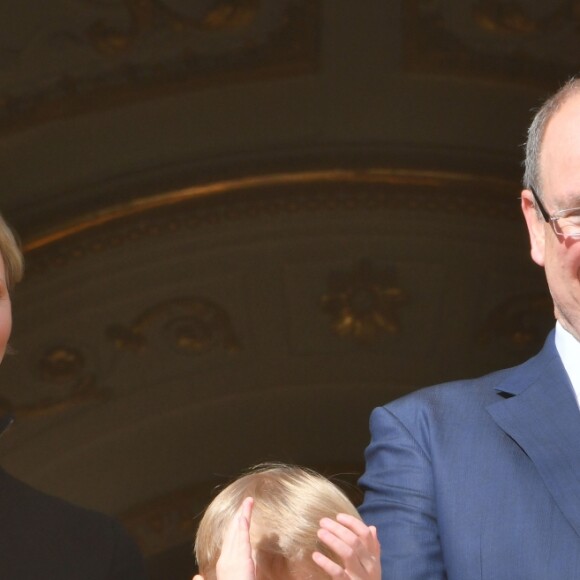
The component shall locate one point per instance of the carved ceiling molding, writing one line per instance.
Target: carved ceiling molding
(519, 323)
(268, 196)
(363, 303)
(191, 325)
(105, 54)
(502, 40)
(64, 374)
(64, 371)
(172, 519)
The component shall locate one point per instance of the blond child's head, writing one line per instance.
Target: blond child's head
(289, 503)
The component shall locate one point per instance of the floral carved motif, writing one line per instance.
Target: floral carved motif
(102, 54)
(64, 369)
(364, 303)
(521, 322)
(150, 15)
(190, 325)
(505, 40)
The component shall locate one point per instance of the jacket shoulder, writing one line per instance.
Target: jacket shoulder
(463, 400)
(47, 532)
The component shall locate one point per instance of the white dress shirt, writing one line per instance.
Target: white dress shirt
(569, 350)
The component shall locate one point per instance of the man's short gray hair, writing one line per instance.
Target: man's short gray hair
(532, 177)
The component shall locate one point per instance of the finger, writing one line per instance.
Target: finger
(349, 555)
(363, 535)
(373, 563)
(375, 544)
(198, 577)
(247, 508)
(235, 560)
(360, 556)
(237, 536)
(358, 527)
(327, 565)
(341, 531)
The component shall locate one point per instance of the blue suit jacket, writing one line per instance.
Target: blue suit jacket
(479, 479)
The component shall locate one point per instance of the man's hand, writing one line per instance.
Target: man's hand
(355, 544)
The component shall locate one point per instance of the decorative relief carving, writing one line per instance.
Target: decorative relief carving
(502, 39)
(147, 16)
(167, 521)
(190, 325)
(507, 17)
(268, 196)
(521, 322)
(500, 17)
(363, 303)
(132, 49)
(64, 369)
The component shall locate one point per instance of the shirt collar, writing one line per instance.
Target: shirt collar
(569, 350)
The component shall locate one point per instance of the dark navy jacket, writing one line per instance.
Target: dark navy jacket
(45, 538)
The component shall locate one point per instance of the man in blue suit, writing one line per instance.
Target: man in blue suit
(480, 479)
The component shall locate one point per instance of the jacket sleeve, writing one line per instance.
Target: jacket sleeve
(127, 562)
(399, 500)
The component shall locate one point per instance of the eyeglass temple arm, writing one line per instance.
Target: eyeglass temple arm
(539, 205)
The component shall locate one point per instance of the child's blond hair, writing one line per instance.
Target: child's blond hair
(289, 503)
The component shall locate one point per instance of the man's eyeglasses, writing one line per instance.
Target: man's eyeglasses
(565, 223)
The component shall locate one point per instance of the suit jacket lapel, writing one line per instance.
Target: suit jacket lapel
(544, 419)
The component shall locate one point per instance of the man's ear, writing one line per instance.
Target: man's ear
(536, 227)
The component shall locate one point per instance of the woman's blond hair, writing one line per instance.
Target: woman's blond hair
(289, 503)
(11, 254)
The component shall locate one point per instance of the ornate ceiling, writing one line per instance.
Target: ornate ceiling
(527, 42)
(248, 222)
